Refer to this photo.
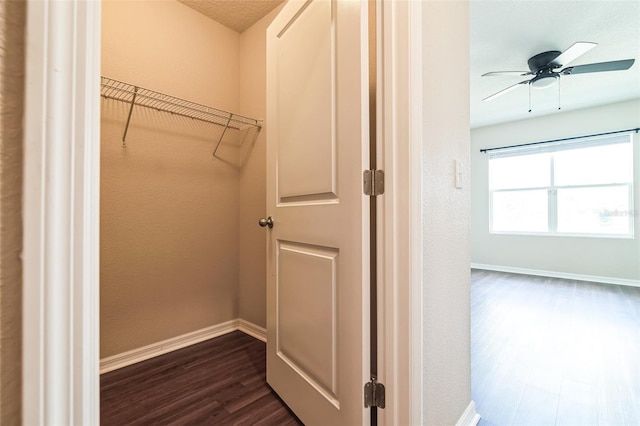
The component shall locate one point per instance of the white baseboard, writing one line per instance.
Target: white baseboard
(252, 330)
(554, 274)
(470, 417)
(144, 353)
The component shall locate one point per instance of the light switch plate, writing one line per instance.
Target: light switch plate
(458, 172)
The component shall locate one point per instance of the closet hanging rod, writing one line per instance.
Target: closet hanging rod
(139, 96)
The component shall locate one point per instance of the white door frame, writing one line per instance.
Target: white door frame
(61, 214)
(400, 213)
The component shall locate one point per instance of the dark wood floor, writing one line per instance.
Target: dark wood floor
(554, 352)
(220, 381)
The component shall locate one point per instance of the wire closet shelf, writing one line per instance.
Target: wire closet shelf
(139, 96)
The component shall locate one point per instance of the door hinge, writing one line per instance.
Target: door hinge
(373, 394)
(373, 182)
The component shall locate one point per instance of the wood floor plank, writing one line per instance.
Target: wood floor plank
(578, 404)
(549, 341)
(536, 408)
(220, 381)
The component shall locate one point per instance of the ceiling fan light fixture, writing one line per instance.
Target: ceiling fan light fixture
(544, 81)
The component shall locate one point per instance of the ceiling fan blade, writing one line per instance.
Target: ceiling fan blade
(599, 67)
(572, 53)
(503, 91)
(519, 73)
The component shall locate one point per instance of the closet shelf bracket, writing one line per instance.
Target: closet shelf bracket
(213, 154)
(126, 126)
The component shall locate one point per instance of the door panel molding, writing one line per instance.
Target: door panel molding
(306, 165)
(300, 340)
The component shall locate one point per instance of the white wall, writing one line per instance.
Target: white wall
(253, 239)
(597, 257)
(169, 47)
(446, 211)
(169, 212)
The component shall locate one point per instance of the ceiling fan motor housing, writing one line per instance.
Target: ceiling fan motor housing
(543, 60)
(542, 65)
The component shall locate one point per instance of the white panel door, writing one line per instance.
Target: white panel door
(318, 265)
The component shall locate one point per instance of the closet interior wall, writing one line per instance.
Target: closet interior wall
(253, 239)
(180, 246)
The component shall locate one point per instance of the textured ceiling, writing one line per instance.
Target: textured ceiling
(505, 34)
(235, 14)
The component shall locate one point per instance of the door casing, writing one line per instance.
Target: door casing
(61, 214)
(60, 335)
(400, 341)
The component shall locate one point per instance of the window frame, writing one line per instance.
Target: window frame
(552, 194)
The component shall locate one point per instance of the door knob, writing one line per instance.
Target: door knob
(266, 222)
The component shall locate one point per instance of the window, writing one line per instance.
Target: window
(578, 187)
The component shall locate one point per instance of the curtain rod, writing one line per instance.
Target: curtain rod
(561, 140)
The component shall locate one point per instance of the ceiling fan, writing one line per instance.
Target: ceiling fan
(545, 67)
